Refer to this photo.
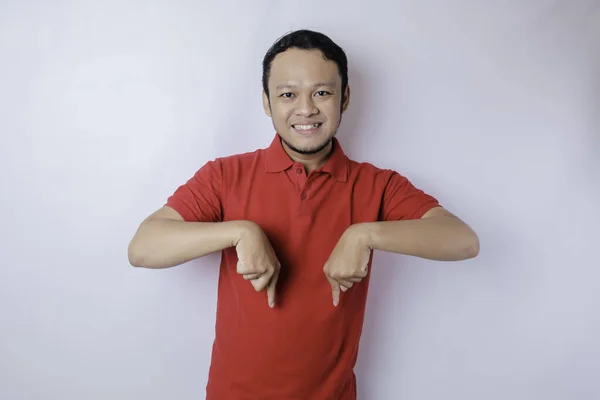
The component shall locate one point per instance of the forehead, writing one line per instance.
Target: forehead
(302, 67)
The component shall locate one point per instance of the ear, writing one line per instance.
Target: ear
(346, 98)
(266, 104)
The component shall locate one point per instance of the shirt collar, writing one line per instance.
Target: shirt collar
(277, 160)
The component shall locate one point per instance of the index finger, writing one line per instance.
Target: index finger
(335, 290)
(271, 289)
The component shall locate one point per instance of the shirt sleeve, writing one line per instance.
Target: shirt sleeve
(200, 199)
(403, 201)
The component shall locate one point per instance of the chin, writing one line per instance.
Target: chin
(308, 145)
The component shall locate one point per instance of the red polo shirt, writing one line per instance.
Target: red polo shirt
(304, 348)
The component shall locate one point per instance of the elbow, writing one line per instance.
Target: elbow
(138, 249)
(472, 252)
(135, 260)
(144, 255)
(136, 256)
(471, 247)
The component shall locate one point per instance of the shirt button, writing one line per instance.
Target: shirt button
(303, 196)
(299, 170)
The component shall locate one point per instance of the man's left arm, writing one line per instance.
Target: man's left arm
(411, 222)
(437, 235)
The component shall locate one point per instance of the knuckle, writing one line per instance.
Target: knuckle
(259, 269)
(240, 266)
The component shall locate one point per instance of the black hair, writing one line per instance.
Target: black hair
(307, 40)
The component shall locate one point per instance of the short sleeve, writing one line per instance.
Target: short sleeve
(200, 199)
(403, 201)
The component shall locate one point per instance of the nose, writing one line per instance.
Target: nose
(306, 106)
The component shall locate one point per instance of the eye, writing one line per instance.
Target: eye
(322, 93)
(286, 95)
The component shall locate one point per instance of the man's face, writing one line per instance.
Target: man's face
(305, 100)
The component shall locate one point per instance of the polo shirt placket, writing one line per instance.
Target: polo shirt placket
(302, 194)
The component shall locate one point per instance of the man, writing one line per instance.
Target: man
(296, 223)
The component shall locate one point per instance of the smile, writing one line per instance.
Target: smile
(307, 129)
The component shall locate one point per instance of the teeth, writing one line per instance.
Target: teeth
(306, 127)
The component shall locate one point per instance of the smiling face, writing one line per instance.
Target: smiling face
(305, 101)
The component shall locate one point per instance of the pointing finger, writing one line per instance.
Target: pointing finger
(335, 290)
(271, 289)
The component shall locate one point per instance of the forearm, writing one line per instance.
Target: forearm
(444, 238)
(163, 243)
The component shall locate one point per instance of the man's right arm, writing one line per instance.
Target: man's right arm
(165, 240)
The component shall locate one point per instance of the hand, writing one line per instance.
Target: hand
(257, 261)
(348, 261)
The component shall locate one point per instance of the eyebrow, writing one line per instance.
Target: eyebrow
(290, 86)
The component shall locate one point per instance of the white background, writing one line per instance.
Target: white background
(493, 107)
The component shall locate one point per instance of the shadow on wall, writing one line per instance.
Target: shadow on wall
(356, 132)
(352, 124)
(594, 129)
(368, 127)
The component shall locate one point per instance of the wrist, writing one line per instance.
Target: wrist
(364, 234)
(242, 228)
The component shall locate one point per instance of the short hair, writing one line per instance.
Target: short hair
(306, 40)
